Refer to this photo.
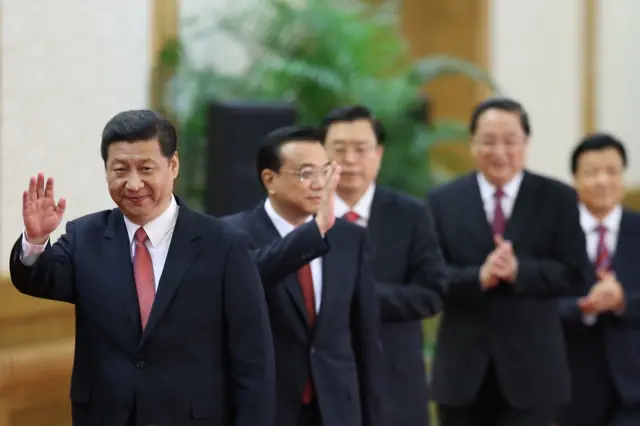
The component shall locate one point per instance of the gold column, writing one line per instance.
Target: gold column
(165, 16)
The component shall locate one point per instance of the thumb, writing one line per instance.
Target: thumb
(603, 274)
(498, 239)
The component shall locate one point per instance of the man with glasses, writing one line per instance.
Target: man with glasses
(406, 261)
(319, 288)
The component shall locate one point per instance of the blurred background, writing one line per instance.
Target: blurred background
(227, 71)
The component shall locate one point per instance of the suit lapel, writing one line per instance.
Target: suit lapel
(330, 278)
(379, 234)
(264, 233)
(117, 255)
(183, 250)
(473, 210)
(625, 251)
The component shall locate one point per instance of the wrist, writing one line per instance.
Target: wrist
(37, 241)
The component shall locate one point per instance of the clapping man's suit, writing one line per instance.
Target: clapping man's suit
(319, 288)
(407, 263)
(602, 328)
(171, 321)
(512, 242)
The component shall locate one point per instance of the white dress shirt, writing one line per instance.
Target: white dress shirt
(589, 224)
(488, 191)
(159, 231)
(362, 208)
(284, 228)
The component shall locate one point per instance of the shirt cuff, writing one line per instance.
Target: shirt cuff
(30, 252)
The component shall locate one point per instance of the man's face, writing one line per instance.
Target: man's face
(140, 178)
(599, 179)
(499, 145)
(354, 146)
(299, 183)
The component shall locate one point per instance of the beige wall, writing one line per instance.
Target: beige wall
(535, 49)
(617, 90)
(66, 67)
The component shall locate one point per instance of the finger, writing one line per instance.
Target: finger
(61, 206)
(33, 195)
(498, 240)
(40, 185)
(26, 202)
(48, 190)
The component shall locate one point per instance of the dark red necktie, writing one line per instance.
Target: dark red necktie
(306, 284)
(143, 273)
(602, 261)
(351, 216)
(499, 220)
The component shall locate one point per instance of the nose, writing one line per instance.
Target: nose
(349, 157)
(134, 183)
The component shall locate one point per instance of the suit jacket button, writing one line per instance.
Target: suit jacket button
(140, 363)
(313, 350)
(126, 408)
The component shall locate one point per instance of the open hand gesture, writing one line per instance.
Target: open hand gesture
(40, 213)
(326, 217)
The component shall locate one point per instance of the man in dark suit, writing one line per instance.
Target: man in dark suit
(512, 242)
(407, 263)
(602, 331)
(171, 321)
(324, 313)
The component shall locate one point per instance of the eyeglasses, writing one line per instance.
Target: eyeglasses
(309, 174)
(359, 151)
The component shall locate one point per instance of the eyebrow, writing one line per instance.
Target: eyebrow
(303, 165)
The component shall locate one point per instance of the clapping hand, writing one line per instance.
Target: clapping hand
(326, 217)
(40, 212)
(501, 265)
(606, 295)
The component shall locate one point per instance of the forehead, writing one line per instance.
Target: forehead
(357, 131)
(137, 150)
(605, 157)
(496, 120)
(303, 152)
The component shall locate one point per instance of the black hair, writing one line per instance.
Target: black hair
(269, 152)
(139, 125)
(349, 114)
(502, 104)
(597, 142)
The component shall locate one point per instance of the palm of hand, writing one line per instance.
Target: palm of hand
(41, 217)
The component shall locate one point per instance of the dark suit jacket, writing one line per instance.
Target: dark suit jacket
(410, 281)
(343, 350)
(206, 355)
(605, 357)
(515, 326)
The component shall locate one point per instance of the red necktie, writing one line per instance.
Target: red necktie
(143, 273)
(602, 253)
(499, 221)
(351, 216)
(306, 284)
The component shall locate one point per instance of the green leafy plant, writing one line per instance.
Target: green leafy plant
(320, 54)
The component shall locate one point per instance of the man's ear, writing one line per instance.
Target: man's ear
(268, 179)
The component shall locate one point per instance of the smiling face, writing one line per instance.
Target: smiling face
(599, 180)
(140, 178)
(499, 145)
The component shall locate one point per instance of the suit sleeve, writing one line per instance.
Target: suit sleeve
(51, 276)
(249, 339)
(422, 296)
(286, 255)
(365, 325)
(462, 281)
(565, 273)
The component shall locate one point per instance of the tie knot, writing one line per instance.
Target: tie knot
(141, 235)
(601, 229)
(498, 194)
(351, 216)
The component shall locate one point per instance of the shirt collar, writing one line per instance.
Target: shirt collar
(362, 208)
(158, 228)
(589, 222)
(510, 189)
(282, 225)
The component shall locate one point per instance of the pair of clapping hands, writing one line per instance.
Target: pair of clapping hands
(500, 265)
(606, 295)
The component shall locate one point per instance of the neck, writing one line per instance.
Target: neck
(290, 215)
(351, 197)
(601, 213)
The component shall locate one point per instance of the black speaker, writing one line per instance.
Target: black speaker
(234, 134)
